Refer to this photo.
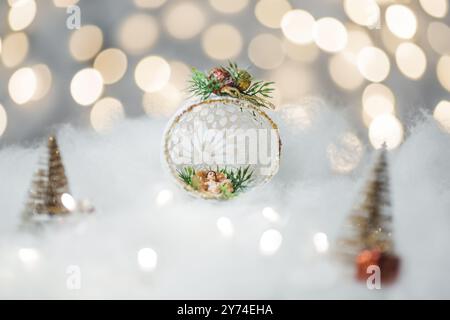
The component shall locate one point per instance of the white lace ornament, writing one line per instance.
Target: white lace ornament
(221, 147)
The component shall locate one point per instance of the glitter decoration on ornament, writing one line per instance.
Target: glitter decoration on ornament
(221, 142)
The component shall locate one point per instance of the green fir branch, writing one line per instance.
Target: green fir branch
(186, 174)
(262, 88)
(200, 85)
(239, 178)
(233, 70)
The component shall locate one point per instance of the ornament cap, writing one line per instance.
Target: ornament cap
(233, 82)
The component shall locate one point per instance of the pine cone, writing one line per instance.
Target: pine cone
(244, 80)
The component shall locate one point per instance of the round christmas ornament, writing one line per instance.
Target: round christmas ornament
(221, 142)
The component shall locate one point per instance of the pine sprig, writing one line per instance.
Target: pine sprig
(200, 85)
(233, 70)
(262, 88)
(203, 85)
(239, 179)
(186, 174)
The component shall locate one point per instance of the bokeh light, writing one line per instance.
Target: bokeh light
(270, 12)
(270, 241)
(138, 33)
(443, 72)
(265, 51)
(270, 214)
(401, 21)
(386, 128)
(435, 8)
(358, 39)
(152, 73)
(363, 12)
(222, 41)
(298, 26)
(179, 73)
(147, 259)
(373, 63)
(377, 99)
(411, 60)
(345, 154)
(106, 113)
(43, 81)
(303, 53)
(14, 49)
(293, 81)
(185, 20)
(389, 40)
(330, 34)
(3, 120)
(28, 256)
(438, 35)
(64, 3)
(321, 243)
(162, 103)
(229, 6)
(149, 4)
(86, 42)
(225, 227)
(22, 15)
(68, 201)
(442, 115)
(86, 86)
(344, 71)
(22, 85)
(164, 197)
(112, 64)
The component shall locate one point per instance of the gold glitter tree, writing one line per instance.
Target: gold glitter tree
(49, 185)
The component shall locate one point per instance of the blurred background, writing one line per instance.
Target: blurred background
(383, 62)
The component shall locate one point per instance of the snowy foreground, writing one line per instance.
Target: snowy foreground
(200, 249)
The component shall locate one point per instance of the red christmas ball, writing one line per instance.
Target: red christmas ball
(219, 74)
(388, 263)
(221, 77)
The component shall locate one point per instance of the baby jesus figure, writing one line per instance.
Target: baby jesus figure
(215, 182)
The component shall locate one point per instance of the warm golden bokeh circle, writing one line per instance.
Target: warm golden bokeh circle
(411, 60)
(22, 85)
(138, 33)
(185, 20)
(86, 42)
(373, 63)
(222, 42)
(106, 113)
(86, 86)
(112, 64)
(265, 51)
(15, 48)
(152, 73)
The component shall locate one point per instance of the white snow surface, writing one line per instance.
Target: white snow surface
(121, 174)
